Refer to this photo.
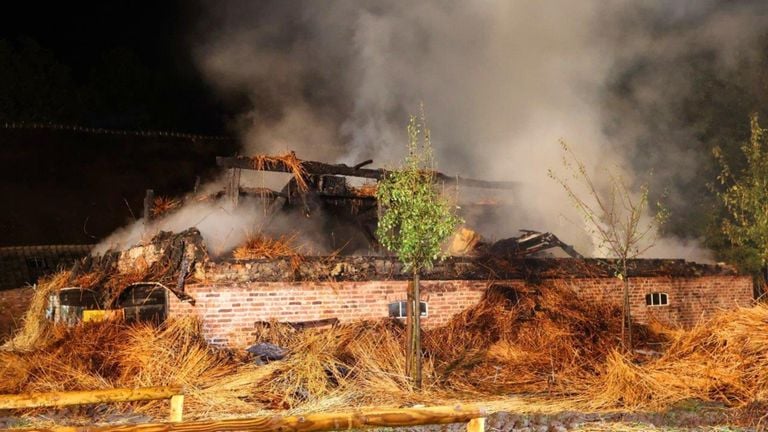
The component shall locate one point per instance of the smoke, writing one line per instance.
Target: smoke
(222, 226)
(501, 82)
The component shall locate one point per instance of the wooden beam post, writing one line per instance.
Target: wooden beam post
(476, 425)
(149, 201)
(177, 408)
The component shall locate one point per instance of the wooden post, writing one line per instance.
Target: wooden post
(233, 186)
(149, 201)
(476, 425)
(417, 328)
(177, 408)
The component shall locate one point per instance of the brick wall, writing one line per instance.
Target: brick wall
(691, 299)
(230, 310)
(13, 304)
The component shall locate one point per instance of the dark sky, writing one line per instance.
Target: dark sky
(94, 41)
(115, 64)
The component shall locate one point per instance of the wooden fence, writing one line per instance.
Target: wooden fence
(473, 415)
(56, 399)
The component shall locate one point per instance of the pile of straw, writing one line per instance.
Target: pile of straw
(36, 329)
(261, 246)
(539, 341)
(496, 346)
(547, 340)
(720, 360)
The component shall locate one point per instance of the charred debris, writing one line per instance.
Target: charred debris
(349, 212)
(128, 280)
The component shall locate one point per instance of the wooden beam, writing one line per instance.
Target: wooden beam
(177, 408)
(394, 417)
(476, 425)
(36, 400)
(319, 168)
(149, 202)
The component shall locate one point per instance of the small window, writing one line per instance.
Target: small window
(397, 309)
(656, 299)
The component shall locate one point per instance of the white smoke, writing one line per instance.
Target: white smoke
(502, 81)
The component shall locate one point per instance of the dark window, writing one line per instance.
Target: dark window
(397, 309)
(656, 299)
(144, 302)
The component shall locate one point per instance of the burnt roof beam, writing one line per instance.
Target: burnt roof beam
(320, 168)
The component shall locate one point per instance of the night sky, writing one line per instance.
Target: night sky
(119, 64)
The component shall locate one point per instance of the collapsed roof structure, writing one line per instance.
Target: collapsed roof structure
(316, 188)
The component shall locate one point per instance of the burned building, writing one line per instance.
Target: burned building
(233, 294)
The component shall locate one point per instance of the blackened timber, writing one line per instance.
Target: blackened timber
(320, 168)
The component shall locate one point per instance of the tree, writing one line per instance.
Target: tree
(416, 220)
(617, 218)
(745, 199)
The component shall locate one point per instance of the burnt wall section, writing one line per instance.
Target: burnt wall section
(368, 268)
(13, 305)
(23, 265)
(231, 311)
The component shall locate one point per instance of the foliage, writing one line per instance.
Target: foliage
(745, 196)
(417, 218)
(614, 215)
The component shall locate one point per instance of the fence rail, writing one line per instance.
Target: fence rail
(55, 399)
(473, 415)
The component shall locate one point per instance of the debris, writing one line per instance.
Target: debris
(463, 242)
(266, 352)
(163, 205)
(529, 243)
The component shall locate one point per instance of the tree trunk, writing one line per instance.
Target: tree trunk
(761, 281)
(626, 314)
(413, 333)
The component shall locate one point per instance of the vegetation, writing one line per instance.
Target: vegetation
(617, 217)
(745, 199)
(415, 222)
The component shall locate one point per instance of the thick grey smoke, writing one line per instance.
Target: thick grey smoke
(501, 81)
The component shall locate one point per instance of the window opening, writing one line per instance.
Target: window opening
(656, 299)
(398, 309)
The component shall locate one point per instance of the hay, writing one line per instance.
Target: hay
(162, 205)
(35, 328)
(261, 246)
(721, 360)
(288, 160)
(545, 341)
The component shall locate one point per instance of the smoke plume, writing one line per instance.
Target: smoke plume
(501, 81)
